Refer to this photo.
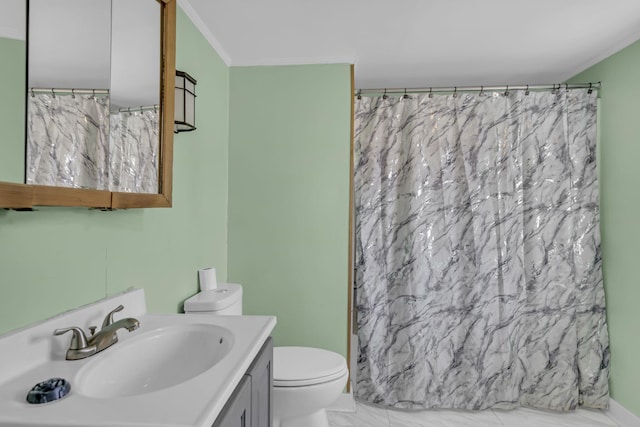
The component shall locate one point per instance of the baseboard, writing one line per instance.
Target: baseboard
(622, 415)
(344, 403)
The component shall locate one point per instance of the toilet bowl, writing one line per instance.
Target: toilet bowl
(305, 379)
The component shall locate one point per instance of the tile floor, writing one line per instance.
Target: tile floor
(370, 416)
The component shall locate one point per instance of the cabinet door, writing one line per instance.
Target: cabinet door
(261, 373)
(237, 411)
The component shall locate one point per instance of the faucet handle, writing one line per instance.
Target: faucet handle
(79, 339)
(109, 317)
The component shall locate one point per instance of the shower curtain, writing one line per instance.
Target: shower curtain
(68, 140)
(478, 271)
(133, 152)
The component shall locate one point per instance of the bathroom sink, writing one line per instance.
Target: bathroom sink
(154, 360)
(174, 370)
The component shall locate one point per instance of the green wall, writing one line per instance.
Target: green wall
(12, 89)
(288, 198)
(55, 259)
(619, 207)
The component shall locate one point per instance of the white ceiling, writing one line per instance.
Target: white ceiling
(420, 43)
(12, 19)
(118, 48)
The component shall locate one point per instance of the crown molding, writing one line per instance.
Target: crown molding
(191, 13)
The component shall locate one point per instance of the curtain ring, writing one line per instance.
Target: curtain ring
(506, 91)
(359, 95)
(384, 95)
(73, 93)
(455, 91)
(566, 87)
(430, 92)
(481, 91)
(94, 94)
(526, 92)
(590, 88)
(33, 94)
(53, 93)
(405, 96)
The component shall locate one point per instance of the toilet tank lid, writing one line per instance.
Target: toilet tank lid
(213, 300)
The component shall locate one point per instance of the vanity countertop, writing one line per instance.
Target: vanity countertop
(195, 402)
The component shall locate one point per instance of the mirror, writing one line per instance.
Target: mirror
(116, 76)
(13, 48)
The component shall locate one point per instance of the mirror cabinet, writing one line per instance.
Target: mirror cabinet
(99, 101)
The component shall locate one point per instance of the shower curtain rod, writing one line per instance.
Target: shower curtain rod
(481, 89)
(155, 107)
(67, 91)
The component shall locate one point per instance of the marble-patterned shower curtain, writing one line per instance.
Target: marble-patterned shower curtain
(67, 140)
(478, 270)
(134, 151)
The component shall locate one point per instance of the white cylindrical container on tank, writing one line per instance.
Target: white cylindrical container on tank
(207, 278)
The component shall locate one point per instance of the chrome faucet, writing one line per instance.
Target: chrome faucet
(82, 347)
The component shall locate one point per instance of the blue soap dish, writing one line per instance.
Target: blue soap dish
(49, 391)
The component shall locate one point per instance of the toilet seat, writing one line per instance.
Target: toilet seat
(305, 366)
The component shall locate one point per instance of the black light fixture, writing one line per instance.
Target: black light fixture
(185, 114)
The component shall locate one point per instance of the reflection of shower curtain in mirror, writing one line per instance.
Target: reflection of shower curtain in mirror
(133, 152)
(67, 140)
(73, 141)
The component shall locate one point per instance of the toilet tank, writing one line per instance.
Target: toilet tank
(226, 299)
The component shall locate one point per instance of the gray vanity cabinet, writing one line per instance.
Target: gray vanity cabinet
(261, 373)
(237, 411)
(250, 404)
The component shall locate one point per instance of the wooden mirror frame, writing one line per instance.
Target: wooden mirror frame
(25, 196)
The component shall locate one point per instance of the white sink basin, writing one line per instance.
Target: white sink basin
(154, 360)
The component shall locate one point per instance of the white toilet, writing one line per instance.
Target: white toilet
(305, 380)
